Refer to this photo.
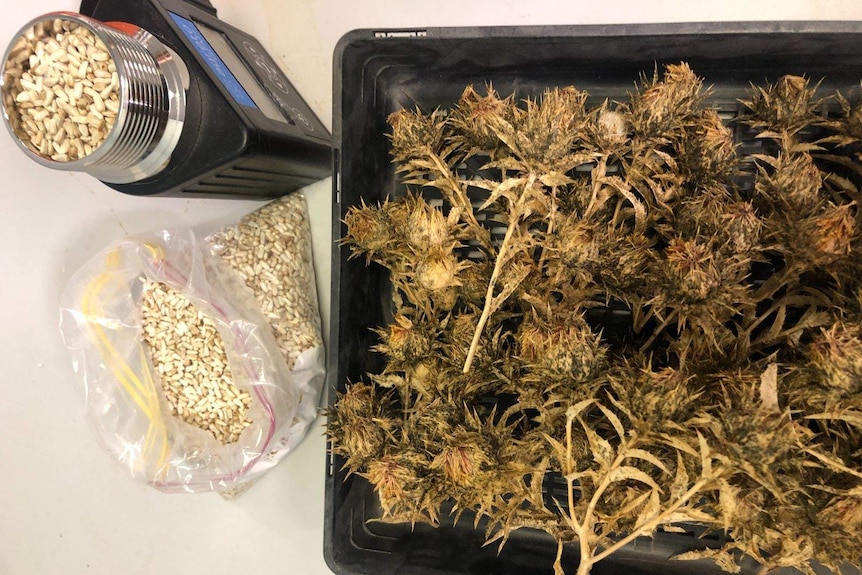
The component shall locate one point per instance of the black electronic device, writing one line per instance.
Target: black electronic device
(246, 131)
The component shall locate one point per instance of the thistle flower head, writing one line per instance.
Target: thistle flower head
(426, 226)
(707, 150)
(664, 105)
(692, 269)
(795, 180)
(403, 340)
(438, 269)
(542, 133)
(835, 231)
(358, 424)
(762, 439)
(611, 127)
(414, 134)
(837, 355)
(798, 178)
(844, 512)
(474, 282)
(743, 227)
(369, 229)
(476, 118)
(577, 242)
(566, 349)
(397, 478)
(655, 400)
(462, 459)
(783, 107)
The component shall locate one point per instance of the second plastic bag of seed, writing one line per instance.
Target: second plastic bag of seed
(188, 383)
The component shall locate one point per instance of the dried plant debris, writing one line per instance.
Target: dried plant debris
(671, 325)
(189, 356)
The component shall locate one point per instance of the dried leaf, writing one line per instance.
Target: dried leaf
(723, 558)
(503, 189)
(626, 472)
(601, 449)
(646, 456)
(555, 180)
(615, 421)
(705, 456)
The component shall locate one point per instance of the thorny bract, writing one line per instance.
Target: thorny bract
(673, 326)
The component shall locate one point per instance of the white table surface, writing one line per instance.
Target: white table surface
(65, 508)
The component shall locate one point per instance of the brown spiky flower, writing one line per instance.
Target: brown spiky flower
(359, 426)
(370, 230)
(837, 354)
(784, 107)
(414, 134)
(707, 151)
(476, 118)
(567, 349)
(658, 108)
(794, 181)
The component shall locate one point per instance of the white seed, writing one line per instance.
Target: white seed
(271, 251)
(62, 61)
(193, 388)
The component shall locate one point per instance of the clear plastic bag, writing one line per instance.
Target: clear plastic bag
(101, 323)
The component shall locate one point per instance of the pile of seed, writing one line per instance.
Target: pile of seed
(271, 250)
(189, 356)
(61, 90)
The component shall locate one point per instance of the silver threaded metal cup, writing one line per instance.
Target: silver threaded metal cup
(152, 101)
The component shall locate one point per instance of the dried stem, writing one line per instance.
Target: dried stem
(659, 330)
(648, 525)
(514, 220)
(458, 199)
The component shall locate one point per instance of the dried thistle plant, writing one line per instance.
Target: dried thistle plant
(679, 347)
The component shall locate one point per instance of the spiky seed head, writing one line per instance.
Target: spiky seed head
(392, 479)
(426, 227)
(438, 270)
(613, 126)
(692, 268)
(368, 228)
(461, 460)
(357, 425)
(835, 231)
(567, 350)
(708, 150)
(844, 512)
(743, 226)
(414, 134)
(403, 341)
(837, 354)
(477, 117)
(784, 107)
(661, 104)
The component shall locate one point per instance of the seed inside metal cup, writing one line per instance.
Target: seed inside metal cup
(60, 89)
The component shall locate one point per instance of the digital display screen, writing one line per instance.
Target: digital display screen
(215, 50)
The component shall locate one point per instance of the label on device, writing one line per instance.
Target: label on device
(214, 61)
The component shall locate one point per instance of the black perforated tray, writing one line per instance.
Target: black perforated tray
(378, 72)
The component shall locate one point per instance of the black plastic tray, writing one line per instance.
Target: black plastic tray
(379, 71)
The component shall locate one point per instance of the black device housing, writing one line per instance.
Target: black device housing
(377, 72)
(226, 150)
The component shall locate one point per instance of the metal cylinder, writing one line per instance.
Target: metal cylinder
(149, 121)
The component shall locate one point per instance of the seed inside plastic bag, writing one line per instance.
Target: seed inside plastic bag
(189, 357)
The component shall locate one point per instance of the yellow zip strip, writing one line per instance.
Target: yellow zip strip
(88, 307)
(163, 454)
(121, 370)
